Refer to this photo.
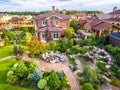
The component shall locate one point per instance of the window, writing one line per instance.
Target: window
(56, 36)
(43, 35)
(56, 23)
(44, 22)
(51, 23)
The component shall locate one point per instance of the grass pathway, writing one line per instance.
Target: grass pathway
(8, 57)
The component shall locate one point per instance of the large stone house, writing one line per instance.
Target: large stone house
(50, 26)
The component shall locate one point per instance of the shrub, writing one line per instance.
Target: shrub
(22, 70)
(87, 86)
(71, 58)
(1, 44)
(42, 83)
(11, 78)
(69, 32)
(101, 65)
(81, 81)
(37, 75)
(46, 88)
(102, 53)
(115, 82)
(26, 82)
(90, 75)
(21, 73)
(53, 81)
(64, 81)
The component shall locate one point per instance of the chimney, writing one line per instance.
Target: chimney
(114, 9)
(64, 11)
(53, 9)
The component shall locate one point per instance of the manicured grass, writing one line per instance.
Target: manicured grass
(6, 51)
(4, 67)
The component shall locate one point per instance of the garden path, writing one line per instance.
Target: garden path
(45, 66)
(2, 59)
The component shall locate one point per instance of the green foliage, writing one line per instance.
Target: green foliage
(115, 82)
(74, 24)
(69, 32)
(102, 53)
(22, 70)
(90, 41)
(64, 82)
(42, 83)
(90, 75)
(11, 78)
(7, 42)
(115, 51)
(53, 81)
(101, 65)
(52, 45)
(28, 37)
(22, 73)
(36, 47)
(81, 80)
(6, 65)
(64, 44)
(87, 86)
(10, 36)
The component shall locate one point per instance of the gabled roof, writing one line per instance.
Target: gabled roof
(95, 22)
(44, 16)
(101, 26)
(82, 22)
(115, 12)
(113, 19)
(51, 29)
(103, 16)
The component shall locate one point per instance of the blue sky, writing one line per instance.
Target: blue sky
(41, 5)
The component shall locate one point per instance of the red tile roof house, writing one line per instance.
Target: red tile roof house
(50, 26)
(112, 17)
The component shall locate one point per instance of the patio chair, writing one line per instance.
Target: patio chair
(43, 56)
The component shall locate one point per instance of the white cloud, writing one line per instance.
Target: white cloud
(40, 5)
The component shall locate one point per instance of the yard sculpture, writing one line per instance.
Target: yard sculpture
(16, 49)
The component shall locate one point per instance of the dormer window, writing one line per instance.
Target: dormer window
(56, 23)
(44, 22)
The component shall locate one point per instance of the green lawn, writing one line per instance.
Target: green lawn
(6, 51)
(4, 67)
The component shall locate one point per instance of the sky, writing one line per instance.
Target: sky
(41, 5)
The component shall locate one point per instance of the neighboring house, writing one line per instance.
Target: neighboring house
(4, 20)
(84, 24)
(112, 17)
(21, 21)
(113, 39)
(50, 26)
(79, 16)
(103, 27)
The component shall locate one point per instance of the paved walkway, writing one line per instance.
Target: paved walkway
(2, 59)
(44, 66)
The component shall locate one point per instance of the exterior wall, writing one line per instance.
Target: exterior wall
(64, 24)
(61, 23)
(52, 35)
